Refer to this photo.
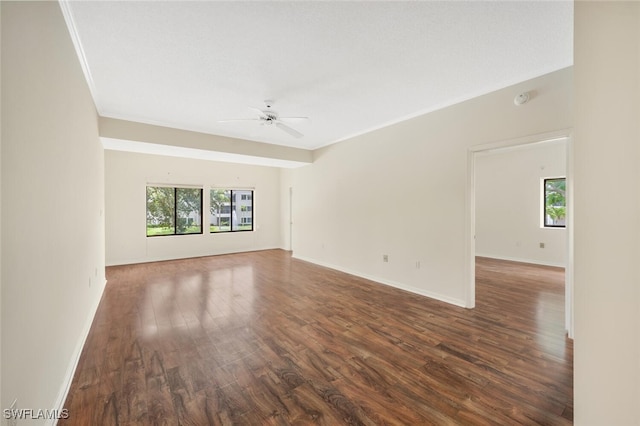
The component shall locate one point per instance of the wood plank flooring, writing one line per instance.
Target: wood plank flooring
(261, 338)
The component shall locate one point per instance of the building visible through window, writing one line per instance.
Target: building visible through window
(231, 210)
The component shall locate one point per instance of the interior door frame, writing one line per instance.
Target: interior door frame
(470, 229)
(291, 218)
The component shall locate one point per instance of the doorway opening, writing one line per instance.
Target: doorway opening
(505, 191)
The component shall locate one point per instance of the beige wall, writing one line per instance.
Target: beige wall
(509, 206)
(52, 206)
(402, 190)
(126, 179)
(607, 213)
(1, 400)
(239, 150)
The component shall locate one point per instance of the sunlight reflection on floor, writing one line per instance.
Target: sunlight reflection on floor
(205, 300)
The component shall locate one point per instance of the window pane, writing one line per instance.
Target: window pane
(220, 210)
(160, 211)
(554, 202)
(189, 210)
(242, 211)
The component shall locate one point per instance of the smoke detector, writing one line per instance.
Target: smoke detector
(521, 99)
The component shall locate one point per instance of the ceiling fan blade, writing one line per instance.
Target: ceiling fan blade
(291, 131)
(235, 120)
(294, 118)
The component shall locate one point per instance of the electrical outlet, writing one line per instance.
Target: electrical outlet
(541, 245)
(385, 257)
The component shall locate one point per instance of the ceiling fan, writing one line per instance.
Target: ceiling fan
(269, 117)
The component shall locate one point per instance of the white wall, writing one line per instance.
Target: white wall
(52, 206)
(126, 179)
(286, 196)
(607, 213)
(509, 204)
(401, 190)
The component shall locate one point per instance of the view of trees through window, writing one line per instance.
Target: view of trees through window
(173, 211)
(231, 210)
(555, 202)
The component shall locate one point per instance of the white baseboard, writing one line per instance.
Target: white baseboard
(515, 259)
(421, 292)
(71, 370)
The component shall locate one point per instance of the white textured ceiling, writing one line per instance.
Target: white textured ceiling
(350, 66)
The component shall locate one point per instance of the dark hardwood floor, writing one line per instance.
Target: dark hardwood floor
(260, 338)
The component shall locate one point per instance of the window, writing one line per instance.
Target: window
(231, 210)
(173, 211)
(554, 210)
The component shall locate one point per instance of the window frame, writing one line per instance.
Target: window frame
(239, 223)
(544, 203)
(175, 209)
